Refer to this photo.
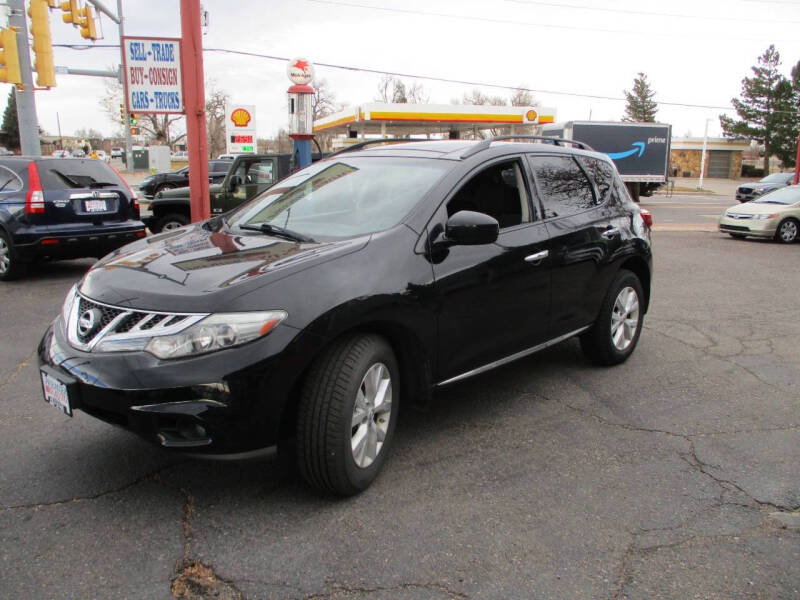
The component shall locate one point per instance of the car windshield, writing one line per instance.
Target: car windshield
(345, 197)
(786, 195)
(775, 178)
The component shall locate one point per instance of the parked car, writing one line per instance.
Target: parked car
(78, 153)
(245, 177)
(5, 151)
(773, 215)
(748, 191)
(116, 152)
(310, 314)
(101, 155)
(153, 184)
(53, 208)
(60, 154)
(227, 156)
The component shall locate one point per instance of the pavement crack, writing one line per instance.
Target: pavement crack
(152, 476)
(432, 586)
(197, 581)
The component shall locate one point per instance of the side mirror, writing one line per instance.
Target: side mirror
(469, 228)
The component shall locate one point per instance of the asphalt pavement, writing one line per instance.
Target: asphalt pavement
(674, 475)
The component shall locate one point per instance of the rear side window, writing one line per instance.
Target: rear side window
(9, 181)
(603, 175)
(65, 174)
(562, 184)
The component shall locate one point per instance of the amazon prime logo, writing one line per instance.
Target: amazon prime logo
(88, 321)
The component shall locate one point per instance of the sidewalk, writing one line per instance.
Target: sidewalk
(722, 187)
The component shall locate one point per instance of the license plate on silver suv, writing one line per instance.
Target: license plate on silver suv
(96, 206)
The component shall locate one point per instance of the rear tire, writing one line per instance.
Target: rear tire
(170, 222)
(347, 414)
(787, 231)
(613, 337)
(10, 266)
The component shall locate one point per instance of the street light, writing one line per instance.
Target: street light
(703, 157)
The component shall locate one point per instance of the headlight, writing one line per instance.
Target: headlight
(215, 332)
(762, 217)
(66, 308)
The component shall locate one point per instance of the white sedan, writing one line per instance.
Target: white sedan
(773, 215)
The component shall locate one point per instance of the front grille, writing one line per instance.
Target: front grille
(734, 227)
(738, 216)
(745, 190)
(90, 322)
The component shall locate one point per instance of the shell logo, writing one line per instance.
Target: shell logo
(240, 117)
(531, 115)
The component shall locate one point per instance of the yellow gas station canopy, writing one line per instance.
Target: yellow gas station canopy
(409, 119)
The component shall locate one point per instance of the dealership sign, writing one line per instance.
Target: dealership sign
(240, 128)
(153, 79)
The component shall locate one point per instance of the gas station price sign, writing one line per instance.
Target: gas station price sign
(240, 128)
(153, 79)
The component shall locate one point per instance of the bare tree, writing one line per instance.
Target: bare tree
(324, 101)
(477, 97)
(522, 97)
(393, 89)
(215, 120)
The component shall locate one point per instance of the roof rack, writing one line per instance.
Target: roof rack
(480, 147)
(361, 145)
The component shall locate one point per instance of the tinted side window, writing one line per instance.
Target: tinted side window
(9, 181)
(498, 191)
(603, 175)
(562, 185)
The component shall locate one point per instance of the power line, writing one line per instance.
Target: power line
(651, 14)
(648, 33)
(431, 78)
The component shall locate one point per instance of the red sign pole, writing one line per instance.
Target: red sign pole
(797, 163)
(194, 100)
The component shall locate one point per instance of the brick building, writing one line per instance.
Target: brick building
(723, 156)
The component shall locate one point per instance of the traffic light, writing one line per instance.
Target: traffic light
(71, 12)
(133, 120)
(9, 56)
(122, 113)
(86, 23)
(42, 46)
(134, 131)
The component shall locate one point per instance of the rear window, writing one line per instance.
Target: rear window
(65, 174)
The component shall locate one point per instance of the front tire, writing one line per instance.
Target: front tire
(347, 414)
(787, 231)
(170, 222)
(613, 337)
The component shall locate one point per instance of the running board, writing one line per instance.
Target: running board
(513, 357)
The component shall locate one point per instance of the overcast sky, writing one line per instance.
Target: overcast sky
(693, 51)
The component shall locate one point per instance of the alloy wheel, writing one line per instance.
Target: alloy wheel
(371, 413)
(625, 318)
(5, 256)
(788, 232)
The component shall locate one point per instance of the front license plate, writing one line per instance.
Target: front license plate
(96, 206)
(56, 393)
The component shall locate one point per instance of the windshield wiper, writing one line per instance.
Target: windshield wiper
(278, 232)
(70, 181)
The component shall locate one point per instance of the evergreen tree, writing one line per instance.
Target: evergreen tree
(640, 105)
(767, 109)
(10, 123)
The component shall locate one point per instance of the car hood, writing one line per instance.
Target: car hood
(758, 208)
(193, 269)
(762, 186)
(183, 192)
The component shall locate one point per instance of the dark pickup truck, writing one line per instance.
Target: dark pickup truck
(248, 176)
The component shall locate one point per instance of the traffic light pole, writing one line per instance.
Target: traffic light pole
(26, 101)
(127, 118)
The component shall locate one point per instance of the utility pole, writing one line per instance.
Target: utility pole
(26, 101)
(703, 157)
(194, 101)
(127, 124)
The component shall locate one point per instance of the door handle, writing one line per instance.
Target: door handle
(537, 257)
(610, 233)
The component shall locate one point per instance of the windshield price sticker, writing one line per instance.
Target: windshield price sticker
(153, 79)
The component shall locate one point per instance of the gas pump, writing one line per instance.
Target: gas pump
(301, 110)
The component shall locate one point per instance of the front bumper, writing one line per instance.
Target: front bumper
(225, 402)
(764, 228)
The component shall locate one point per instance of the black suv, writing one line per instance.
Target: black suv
(308, 315)
(52, 208)
(152, 184)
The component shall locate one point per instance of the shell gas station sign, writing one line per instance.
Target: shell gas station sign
(405, 119)
(240, 128)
